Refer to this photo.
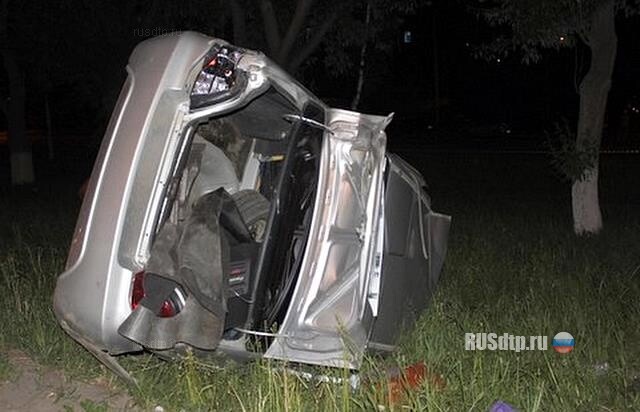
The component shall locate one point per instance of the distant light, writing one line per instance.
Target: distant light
(561, 38)
(467, 44)
(498, 60)
(408, 37)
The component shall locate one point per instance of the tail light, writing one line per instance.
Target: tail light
(219, 78)
(170, 307)
(173, 305)
(167, 310)
(137, 291)
(218, 72)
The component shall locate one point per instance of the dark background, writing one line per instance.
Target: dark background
(75, 58)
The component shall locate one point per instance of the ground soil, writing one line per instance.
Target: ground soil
(32, 387)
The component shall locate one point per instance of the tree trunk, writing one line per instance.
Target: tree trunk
(594, 89)
(296, 24)
(19, 144)
(47, 116)
(436, 69)
(271, 30)
(239, 23)
(363, 56)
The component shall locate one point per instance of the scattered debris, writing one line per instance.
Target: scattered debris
(411, 378)
(502, 406)
(601, 369)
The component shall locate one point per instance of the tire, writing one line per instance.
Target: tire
(254, 209)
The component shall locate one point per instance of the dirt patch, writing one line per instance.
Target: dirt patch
(28, 386)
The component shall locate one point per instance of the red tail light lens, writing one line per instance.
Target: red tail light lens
(170, 307)
(137, 291)
(167, 310)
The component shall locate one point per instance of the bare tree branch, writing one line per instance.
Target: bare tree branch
(299, 17)
(363, 54)
(312, 44)
(270, 26)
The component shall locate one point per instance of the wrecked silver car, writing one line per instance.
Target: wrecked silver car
(230, 211)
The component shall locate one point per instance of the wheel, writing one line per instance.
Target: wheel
(254, 209)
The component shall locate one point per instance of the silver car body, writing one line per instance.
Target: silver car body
(374, 251)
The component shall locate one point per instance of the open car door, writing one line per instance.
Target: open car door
(331, 314)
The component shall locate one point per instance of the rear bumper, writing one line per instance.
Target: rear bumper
(91, 299)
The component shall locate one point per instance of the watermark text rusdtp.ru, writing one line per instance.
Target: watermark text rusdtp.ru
(505, 341)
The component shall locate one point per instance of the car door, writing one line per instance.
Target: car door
(414, 250)
(330, 316)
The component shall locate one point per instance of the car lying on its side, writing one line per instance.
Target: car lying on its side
(231, 212)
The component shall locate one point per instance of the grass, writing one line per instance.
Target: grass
(6, 370)
(513, 266)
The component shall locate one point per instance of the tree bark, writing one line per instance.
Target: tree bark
(13, 107)
(594, 89)
(297, 21)
(19, 144)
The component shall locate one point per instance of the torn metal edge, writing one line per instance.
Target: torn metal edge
(106, 359)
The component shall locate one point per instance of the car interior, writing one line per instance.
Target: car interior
(247, 182)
